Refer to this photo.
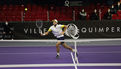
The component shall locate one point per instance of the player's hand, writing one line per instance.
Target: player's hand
(62, 33)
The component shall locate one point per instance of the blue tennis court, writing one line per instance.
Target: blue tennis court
(44, 57)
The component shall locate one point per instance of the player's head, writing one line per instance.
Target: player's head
(55, 21)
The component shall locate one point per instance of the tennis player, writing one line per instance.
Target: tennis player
(58, 31)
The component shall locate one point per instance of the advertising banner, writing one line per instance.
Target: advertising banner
(75, 30)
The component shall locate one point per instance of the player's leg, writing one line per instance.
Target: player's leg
(58, 49)
(67, 47)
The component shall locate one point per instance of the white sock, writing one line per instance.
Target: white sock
(58, 54)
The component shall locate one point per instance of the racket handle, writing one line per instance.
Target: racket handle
(43, 34)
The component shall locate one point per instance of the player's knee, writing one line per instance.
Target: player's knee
(57, 45)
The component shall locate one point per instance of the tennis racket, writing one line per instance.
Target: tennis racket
(72, 31)
(39, 24)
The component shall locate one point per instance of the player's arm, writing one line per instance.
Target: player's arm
(46, 33)
(65, 27)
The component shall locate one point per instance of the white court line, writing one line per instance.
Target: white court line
(35, 65)
(75, 65)
(77, 60)
(68, 40)
(99, 64)
(59, 65)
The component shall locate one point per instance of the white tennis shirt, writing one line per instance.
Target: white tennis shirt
(56, 30)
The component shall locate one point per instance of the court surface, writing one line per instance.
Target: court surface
(90, 56)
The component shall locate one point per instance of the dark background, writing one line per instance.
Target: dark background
(56, 2)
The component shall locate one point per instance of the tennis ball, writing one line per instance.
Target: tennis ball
(25, 9)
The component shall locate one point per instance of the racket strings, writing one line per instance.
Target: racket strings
(72, 31)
